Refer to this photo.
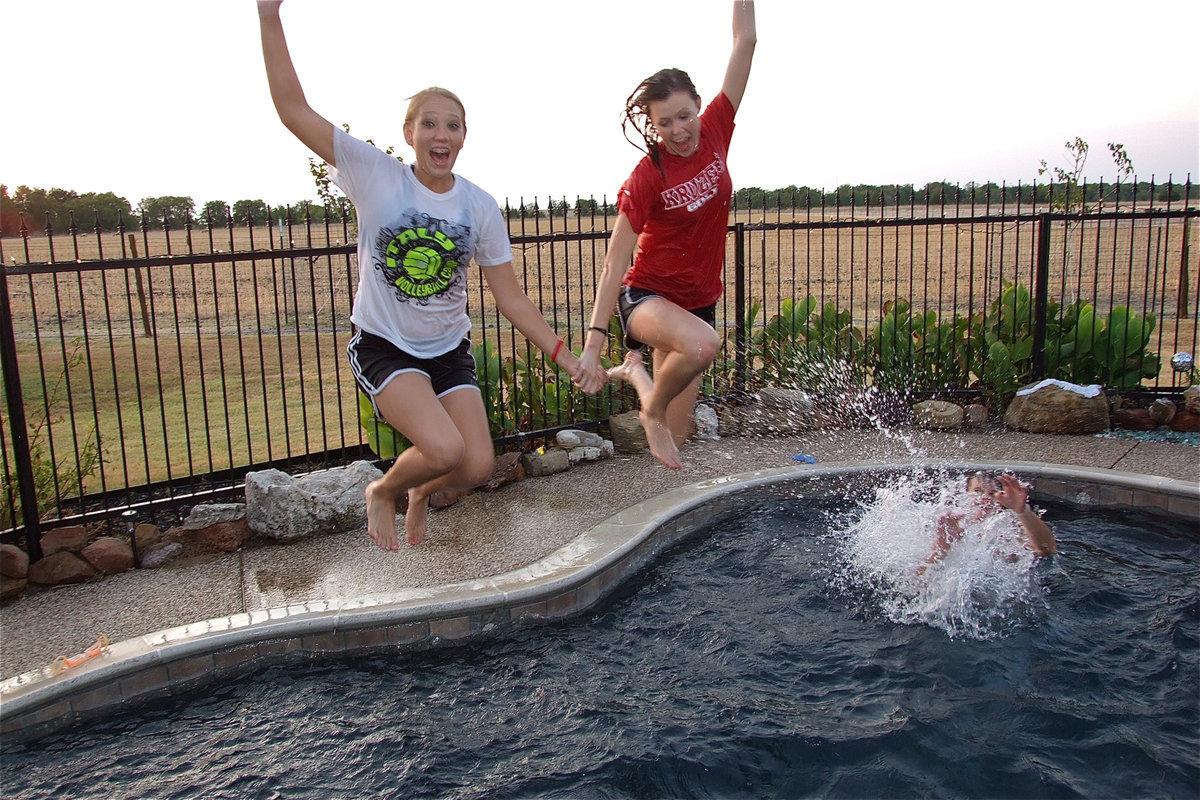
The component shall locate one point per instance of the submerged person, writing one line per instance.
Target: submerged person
(420, 226)
(674, 210)
(993, 494)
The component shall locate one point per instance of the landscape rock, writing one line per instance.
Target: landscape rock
(214, 527)
(160, 554)
(1133, 419)
(708, 424)
(60, 568)
(72, 538)
(1191, 399)
(627, 434)
(584, 454)
(938, 415)
(11, 587)
(1057, 407)
(975, 415)
(109, 555)
(445, 498)
(14, 562)
(507, 469)
(570, 439)
(286, 509)
(779, 412)
(146, 535)
(1186, 422)
(550, 462)
(1162, 411)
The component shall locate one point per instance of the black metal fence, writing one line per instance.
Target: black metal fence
(152, 368)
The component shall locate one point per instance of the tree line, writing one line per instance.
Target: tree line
(62, 208)
(945, 193)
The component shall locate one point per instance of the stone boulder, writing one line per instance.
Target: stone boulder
(286, 509)
(550, 462)
(1133, 419)
(70, 539)
(571, 439)
(1191, 399)
(775, 412)
(938, 415)
(213, 528)
(1163, 411)
(14, 571)
(1057, 407)
(109, 555)
(506, 470)
(60, 568)
(975, 415)
(708, 424)
(1186, 422)
(12, 587)
(627, 434)
(159, 554)
(14, 562)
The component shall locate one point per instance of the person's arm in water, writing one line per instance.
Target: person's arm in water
(311, 128)
(744, 38)
(1014, 496)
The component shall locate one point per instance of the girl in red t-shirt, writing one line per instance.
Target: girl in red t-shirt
(674, 210)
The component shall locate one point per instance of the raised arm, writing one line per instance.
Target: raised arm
(1014, 496)
(309, 127)
(744, 39)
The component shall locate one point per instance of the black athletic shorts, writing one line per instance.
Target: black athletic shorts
(631, 297)
(375, 361)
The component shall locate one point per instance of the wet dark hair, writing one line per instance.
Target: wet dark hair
(987, 482)
(658, 86)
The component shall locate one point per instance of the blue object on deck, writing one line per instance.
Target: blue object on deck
(804, 457)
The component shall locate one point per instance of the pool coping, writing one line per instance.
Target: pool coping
(564, 584)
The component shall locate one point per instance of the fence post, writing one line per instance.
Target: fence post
(739, 303)
(1181, 303)
(16, 421)
(1041, 282)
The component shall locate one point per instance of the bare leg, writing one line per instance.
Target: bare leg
(684, 346)
(465, 407)
(409, 405)
(658, 433)
(417, 517)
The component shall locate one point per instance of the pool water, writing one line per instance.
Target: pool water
(747, 663)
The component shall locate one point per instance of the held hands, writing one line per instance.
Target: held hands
(585, 370)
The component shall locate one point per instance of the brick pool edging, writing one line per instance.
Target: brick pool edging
(563, 584)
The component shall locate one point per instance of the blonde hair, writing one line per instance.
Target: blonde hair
(414, 103)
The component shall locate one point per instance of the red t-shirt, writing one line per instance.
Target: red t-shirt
(681, 215)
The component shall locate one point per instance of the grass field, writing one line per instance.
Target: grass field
(191, 368)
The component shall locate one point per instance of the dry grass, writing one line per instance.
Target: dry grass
(259, 341)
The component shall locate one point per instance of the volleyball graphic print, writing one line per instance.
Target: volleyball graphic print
(420, 257)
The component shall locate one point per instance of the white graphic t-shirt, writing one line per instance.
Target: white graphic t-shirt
(414, 246)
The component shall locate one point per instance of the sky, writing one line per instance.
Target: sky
(164, 97)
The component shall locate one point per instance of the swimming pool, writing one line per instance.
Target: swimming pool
(744, 662)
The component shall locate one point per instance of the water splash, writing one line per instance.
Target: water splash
(983, 587)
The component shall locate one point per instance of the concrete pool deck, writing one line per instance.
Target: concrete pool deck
(491, 560)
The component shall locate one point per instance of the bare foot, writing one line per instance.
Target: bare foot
(633, 370)
(381, 516)
(416, 518)
(661, 441)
